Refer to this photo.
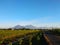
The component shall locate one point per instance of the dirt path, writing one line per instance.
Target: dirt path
(53, 38)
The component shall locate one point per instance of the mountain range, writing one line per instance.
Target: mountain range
(30, 27)
(27, 27)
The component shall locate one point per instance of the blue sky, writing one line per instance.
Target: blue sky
(30, 12)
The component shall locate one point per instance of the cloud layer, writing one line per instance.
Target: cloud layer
(40, 22)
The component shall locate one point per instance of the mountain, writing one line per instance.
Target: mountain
(27, 27)
(18, 27)
(30, 27)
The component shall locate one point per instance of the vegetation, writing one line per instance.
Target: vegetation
(56, 31)
(20, 37)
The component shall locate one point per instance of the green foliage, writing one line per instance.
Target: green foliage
(56, 31)
(9, 36)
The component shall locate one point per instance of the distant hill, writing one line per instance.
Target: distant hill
(26, 27)
(30, 27)
(18, 27)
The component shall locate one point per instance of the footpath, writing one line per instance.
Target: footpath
(52, 39)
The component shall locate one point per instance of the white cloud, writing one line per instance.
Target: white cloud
(40, 22)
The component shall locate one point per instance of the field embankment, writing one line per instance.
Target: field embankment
(53, 38)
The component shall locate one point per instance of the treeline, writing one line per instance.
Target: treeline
(55, 31)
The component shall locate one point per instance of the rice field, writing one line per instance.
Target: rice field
(20, 37)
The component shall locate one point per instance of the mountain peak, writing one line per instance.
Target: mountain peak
(30, 26)
(18, 27)
(27, 26)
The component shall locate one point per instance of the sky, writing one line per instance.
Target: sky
(41, 13)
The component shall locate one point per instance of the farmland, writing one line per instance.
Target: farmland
(4, 34)
(20, 37)
(28, 37)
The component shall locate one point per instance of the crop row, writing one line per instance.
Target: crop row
(28, 39)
